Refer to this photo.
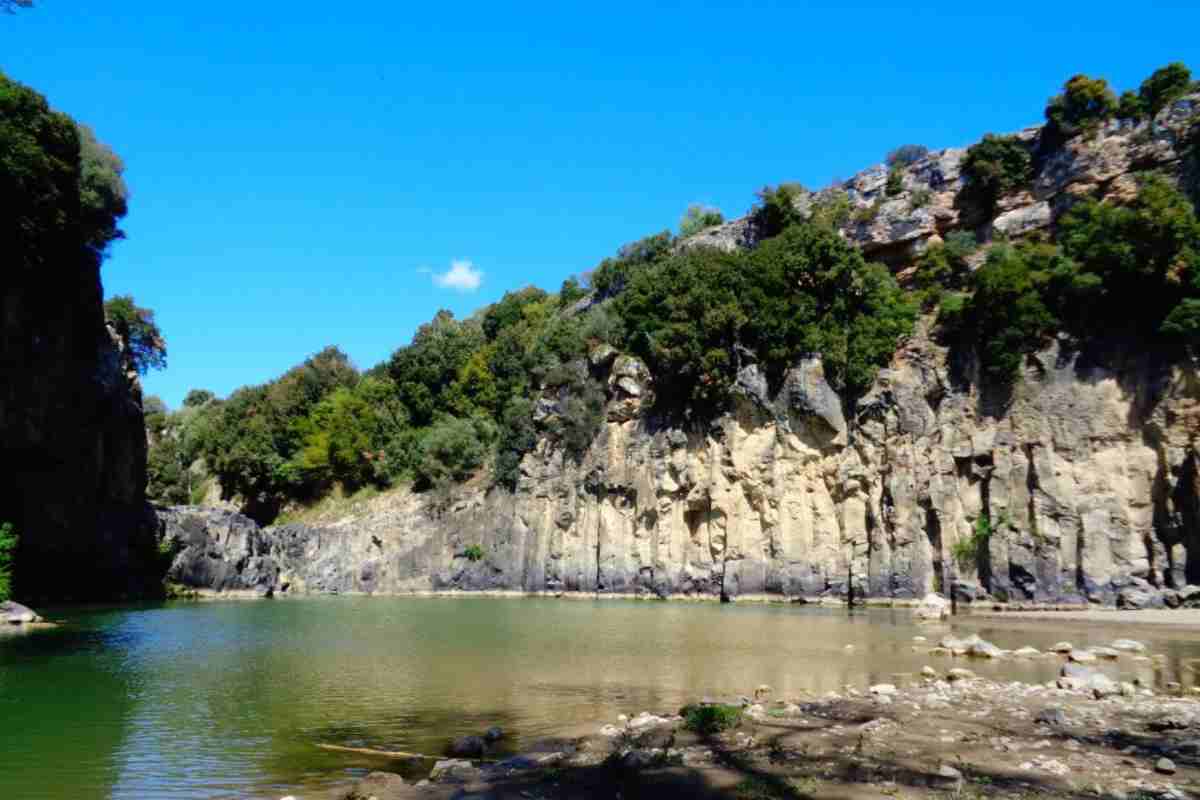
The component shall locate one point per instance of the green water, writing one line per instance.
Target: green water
(230, 699)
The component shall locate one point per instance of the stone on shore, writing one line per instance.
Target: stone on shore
(959, 674)
(1027, 652)
(1128, 646)
(454, 770)
(1061, 647)
(16, 614)
(1165, 765)
(933, 608)
(1082, 656)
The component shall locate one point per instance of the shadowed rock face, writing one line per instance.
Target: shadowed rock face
(1086, 470)
(72, 440)
(1087, 474)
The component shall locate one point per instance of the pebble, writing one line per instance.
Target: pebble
(1165, 765)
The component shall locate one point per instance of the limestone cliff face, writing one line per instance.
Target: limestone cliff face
(72, 440)
(1086, 471)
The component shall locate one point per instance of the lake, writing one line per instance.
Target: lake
(231, 699)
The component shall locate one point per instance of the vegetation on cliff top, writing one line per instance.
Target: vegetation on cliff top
(8, 545)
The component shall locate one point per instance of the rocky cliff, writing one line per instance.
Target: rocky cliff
(72, 439)
(1084, 473)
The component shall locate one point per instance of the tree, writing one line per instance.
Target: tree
(1130, 106)
(776, 208)
(103, 195)
(140, 337)
(906, 155)
(1164, 86)
(198, 397)
(1085, 103)
(994, 167)
(11, 6)
(698, 218)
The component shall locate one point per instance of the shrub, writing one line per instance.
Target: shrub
(920, 198)
(8, 545)
(776, 208)
(698, 218)
(831, 209)
(906, 155)
(473, 553)
(1164, 86)
(570, 293)
(895, 181)
(971, 551)
(198, 397)
(453, 449)
(994, 167)
(1130, 106)
(143, 341)
(611, 276)
(517, 436)
(865, 215)
(1084, 105)
(707, 719)
(943, 267)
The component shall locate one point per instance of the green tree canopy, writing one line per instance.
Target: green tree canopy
(143, 341)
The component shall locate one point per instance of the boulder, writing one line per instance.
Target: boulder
(1128, 646)
(959, 674)
(1165, 766)
(1136, 598)
(1103, 686)
(1027, 652)
(380, 785)
(454, 770)
(1109, 653)
(1061, 647)
(493, 734)
(1082, 656)
(883, 688)
(933, 607)
(468, 747)
(984, 649)
(1052, 716)
(16, 614)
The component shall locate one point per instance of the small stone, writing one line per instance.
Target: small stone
(882, 688)
(928, 672)
(949, 772)
(1165, 765)
(919, 639)
(468, 747)
(493, 734)
(1051, 716)
(959, 674)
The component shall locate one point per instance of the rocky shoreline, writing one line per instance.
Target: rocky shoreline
(939, 733)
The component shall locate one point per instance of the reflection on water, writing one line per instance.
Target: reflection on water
(220, 700)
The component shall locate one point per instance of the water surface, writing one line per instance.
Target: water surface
(230, 699)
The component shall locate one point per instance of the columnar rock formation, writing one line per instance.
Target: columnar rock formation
(1085, 472)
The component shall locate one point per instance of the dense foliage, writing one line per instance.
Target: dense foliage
(700, 316)
(1083, 106)
(777, 208)
(1131, 269)
(994, 167)
(8, 545)
(63, 190)
(143, 341)
(1164, 86)
(906, 155)
(707, 719)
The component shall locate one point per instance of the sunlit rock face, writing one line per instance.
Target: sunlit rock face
(1087, 473)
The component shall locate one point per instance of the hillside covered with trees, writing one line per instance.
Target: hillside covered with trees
(467, 398)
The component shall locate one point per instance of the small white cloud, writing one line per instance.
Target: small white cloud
(462, 277)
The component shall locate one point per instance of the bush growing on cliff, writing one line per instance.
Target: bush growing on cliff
(610, 277)
(698, 218)
(776, 208)
(697, 316)
(1083, 106)
(143, 341)
(994, 167)
(906, 155)
(1164, 86)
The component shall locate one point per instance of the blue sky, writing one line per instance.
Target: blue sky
(304, 173)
